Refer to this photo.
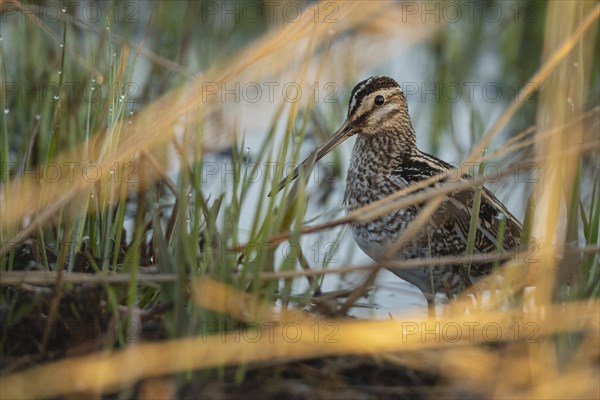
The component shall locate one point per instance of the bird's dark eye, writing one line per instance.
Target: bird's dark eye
(379, 100)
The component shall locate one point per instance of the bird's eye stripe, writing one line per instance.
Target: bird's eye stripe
(366, 88)
(357, 93)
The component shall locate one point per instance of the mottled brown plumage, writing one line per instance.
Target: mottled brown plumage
(385, 159)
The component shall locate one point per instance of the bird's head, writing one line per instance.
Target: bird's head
(377, 106)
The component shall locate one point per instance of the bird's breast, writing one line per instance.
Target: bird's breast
(364, 186)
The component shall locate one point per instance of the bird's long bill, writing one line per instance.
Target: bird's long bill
(343, 133)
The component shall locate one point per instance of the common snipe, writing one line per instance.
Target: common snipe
(386, 159)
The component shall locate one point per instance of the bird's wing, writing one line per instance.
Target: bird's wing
(454, 214)
(459, 207)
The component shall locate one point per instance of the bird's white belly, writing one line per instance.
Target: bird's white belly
(380, 249)
(377, 238)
